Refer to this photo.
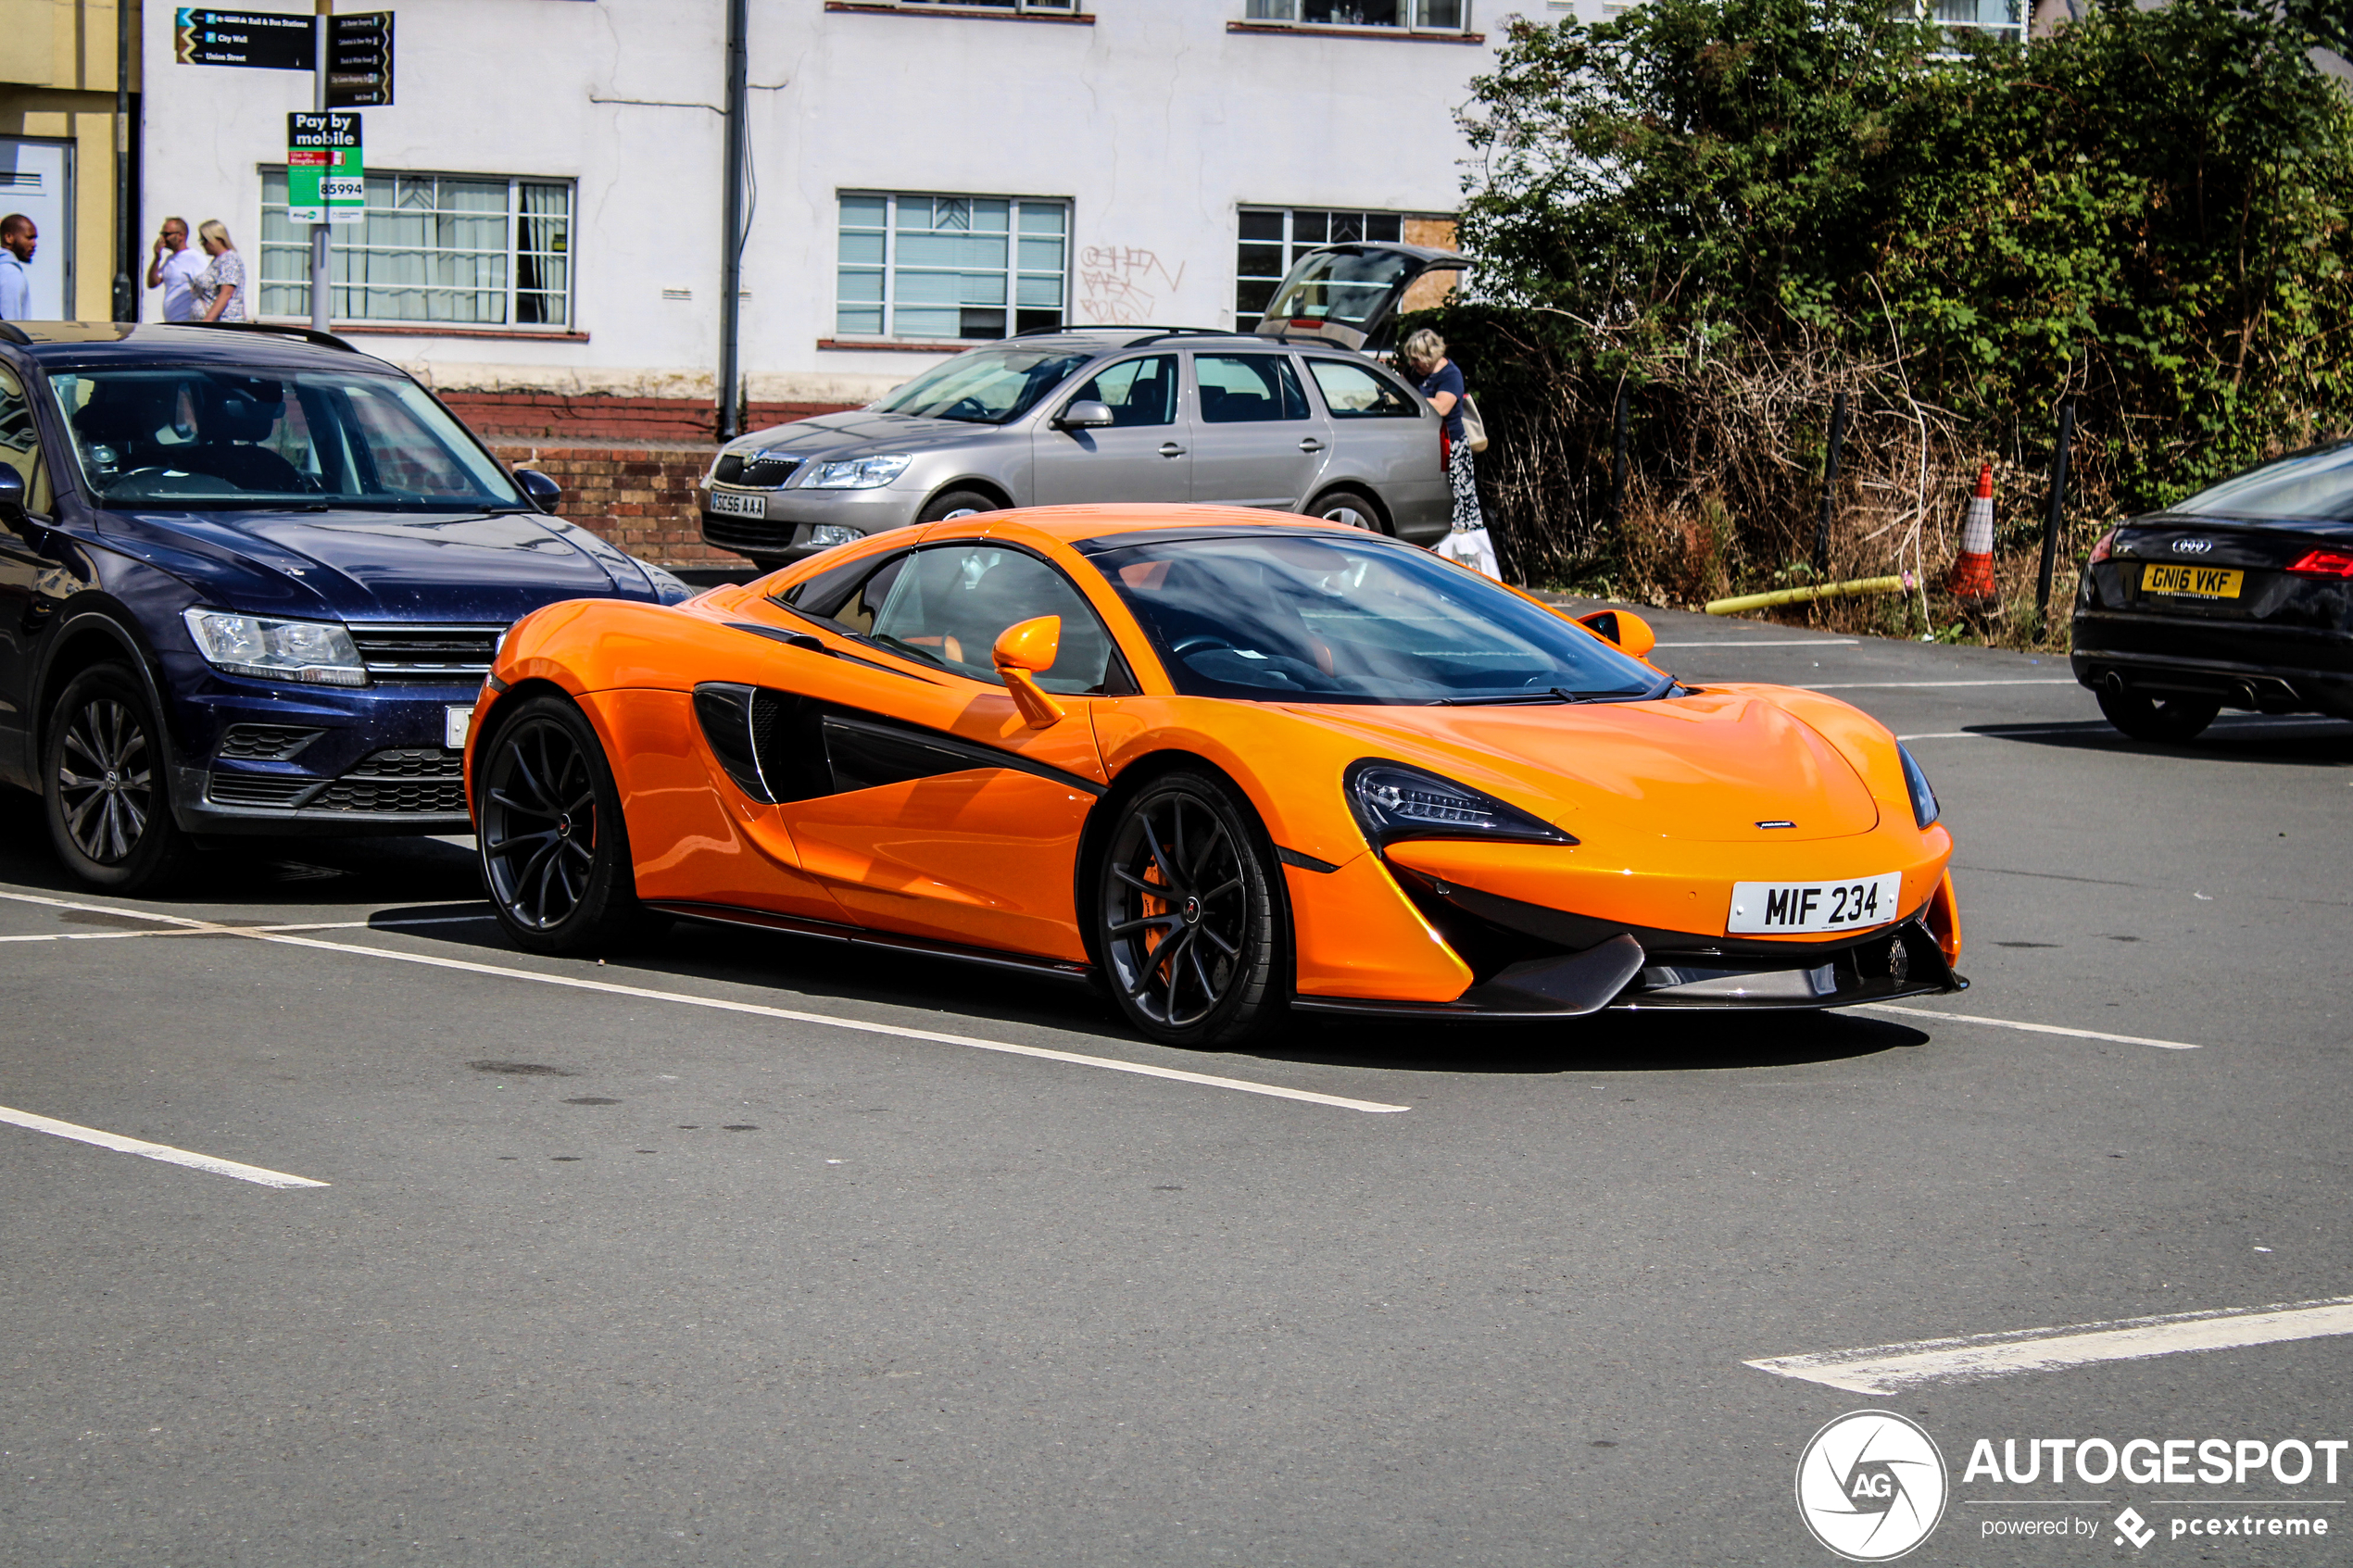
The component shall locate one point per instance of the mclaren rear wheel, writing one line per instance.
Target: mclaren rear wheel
(1187, 915)
(555, 850)
(2158, 718)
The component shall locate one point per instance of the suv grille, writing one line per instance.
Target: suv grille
(761, 471)
(258, 790)
(747, 535)
(266, 743)
(424, 781)
(446, 655)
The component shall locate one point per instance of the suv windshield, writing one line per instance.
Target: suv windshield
(209, 437)
(1336, 286)
(1270, 617)
(987, 386)
(2316, 484)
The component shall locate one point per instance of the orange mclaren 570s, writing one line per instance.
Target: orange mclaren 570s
(1228, 765)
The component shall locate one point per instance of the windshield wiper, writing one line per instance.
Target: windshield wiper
(1550, 694)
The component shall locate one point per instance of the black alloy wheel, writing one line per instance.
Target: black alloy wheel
(555, 851)
(1187, 915)
(2150, 718)
(106, 771)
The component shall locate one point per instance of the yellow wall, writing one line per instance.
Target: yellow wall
(57, 80)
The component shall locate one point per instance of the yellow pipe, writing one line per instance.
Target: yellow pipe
(1820, 591)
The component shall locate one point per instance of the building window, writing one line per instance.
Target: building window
(432, 247)
(1272, 239)
(2002, 18)
(951, 267)
(1419, 16)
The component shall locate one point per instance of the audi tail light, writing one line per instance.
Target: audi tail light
(2324, 563)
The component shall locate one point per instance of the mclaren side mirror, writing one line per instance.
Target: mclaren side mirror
(12, 512)
(1088, 415)
(1022, 653)
(1629, 631)
(544, 493)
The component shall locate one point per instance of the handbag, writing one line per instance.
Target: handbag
(1473, 428)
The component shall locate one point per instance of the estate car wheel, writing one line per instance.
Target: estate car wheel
(956, 503)
(1350, 507)
(555, 851)
(1187, 915)
(106, 782)
(2158, 718)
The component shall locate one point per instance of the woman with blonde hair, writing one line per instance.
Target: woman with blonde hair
(220, 287)
(1441, 382)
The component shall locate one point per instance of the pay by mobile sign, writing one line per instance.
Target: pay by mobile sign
(326, 178)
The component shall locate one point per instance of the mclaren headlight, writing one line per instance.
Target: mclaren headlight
(857, 474)
(318, 653)
(1392, 801)
(1924, 806)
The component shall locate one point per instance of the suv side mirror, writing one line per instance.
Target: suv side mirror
(1629, 631)
(543, 492)
(1022, 650)
(1089, 415)
(12, 512)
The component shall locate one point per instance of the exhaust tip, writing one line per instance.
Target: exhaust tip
(2113, 683)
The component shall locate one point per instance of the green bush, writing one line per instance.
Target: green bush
(1745, 204)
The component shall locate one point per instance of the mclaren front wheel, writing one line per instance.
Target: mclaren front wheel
(1187, 915)
(555, 850)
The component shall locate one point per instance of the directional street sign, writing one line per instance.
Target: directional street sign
(359, 60)
(326, 176)
(262, 40)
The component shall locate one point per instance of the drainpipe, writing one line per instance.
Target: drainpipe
(126, 218)
(731, 264)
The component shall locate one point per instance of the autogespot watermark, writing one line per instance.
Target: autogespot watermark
(1872, 1486)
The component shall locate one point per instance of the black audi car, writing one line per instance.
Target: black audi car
(250, 583)
(2241, 597)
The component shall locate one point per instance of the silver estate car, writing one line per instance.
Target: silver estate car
(1096, 414)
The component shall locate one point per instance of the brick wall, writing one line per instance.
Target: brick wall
(592, 420)
(642, 498)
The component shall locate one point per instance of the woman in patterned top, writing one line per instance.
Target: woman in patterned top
(222, 285)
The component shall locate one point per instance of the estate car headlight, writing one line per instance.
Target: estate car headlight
(857, 474)
(1924, 806)
(319, 653)
(1392, 801)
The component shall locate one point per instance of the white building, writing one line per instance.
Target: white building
(545, 193)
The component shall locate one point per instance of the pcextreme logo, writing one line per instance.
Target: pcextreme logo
(1870, 1486)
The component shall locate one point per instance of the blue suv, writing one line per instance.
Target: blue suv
(250, 583)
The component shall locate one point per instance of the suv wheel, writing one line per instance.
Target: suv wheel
(106, 783)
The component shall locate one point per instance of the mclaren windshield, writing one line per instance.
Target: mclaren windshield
(206, 437)
(1319, 618)
(987, 386)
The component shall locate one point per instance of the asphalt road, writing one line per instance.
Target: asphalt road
(605, 1275)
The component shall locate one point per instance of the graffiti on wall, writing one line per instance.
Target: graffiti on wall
(1122, 286)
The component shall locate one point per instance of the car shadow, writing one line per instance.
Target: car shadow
(2305, 739)
(801, 969)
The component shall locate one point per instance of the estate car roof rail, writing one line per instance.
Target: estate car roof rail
(11, 333)
(307, 334)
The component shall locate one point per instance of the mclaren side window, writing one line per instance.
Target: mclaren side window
(845, 597)
(952, 602)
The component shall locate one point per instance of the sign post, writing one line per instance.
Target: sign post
(319, 234)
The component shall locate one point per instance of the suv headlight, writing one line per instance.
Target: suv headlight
(857, 474)
(319, 653)
(1924, 806)
(1392, 801)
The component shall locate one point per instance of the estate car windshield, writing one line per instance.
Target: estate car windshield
(2310, 485)
(192, 436)
(1274, 616)
(1339, 287)
(987, 386)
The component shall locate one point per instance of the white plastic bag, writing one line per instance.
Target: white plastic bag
(1470, 547)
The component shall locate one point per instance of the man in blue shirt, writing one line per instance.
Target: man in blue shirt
(18, 239)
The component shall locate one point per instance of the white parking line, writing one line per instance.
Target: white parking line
(1765, 643)
(146, 1150)
(2030, 1028)
(1906, 686)
(1240, 1086)
(1891, 1369)
(209, 930)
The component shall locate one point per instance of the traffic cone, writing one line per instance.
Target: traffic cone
(1972, 581)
